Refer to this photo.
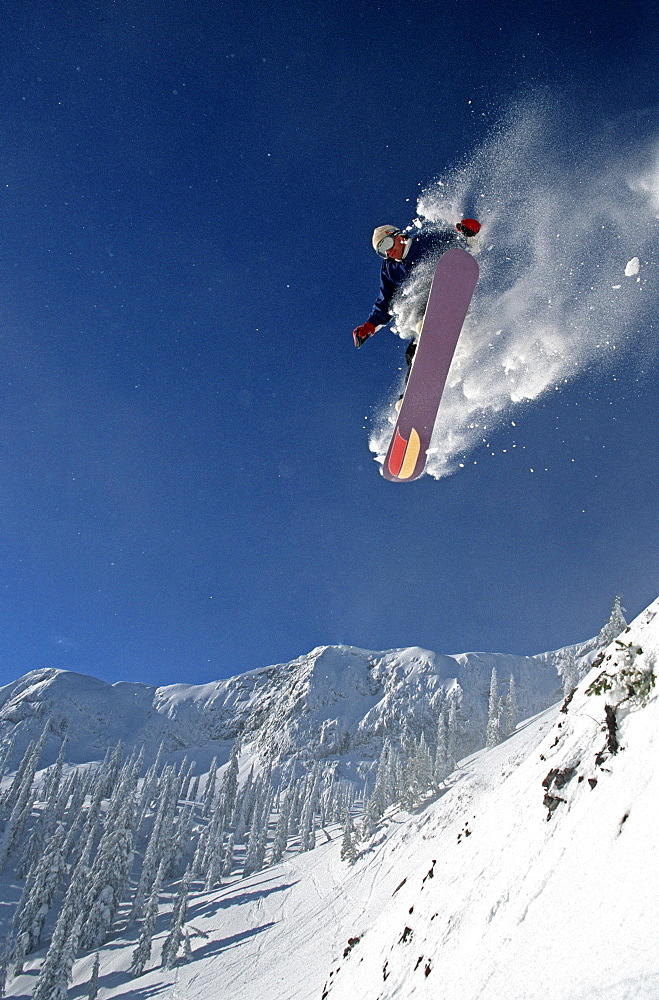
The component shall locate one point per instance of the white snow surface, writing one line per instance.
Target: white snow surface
(559, 224)
(518, 906)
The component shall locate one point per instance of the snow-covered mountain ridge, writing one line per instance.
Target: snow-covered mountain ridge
(334, 700)
(529, 867)
(531, 873)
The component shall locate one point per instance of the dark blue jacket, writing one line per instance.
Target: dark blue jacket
(395, 272)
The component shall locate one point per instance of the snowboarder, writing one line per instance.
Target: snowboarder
(401, 252)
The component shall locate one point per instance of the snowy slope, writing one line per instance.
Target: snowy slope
(544, 880)
(526, 905)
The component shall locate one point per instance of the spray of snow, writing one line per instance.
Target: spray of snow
(560, 224)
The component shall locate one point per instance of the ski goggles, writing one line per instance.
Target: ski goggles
(386, 243)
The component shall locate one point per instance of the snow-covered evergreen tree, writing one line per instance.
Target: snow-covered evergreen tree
(197, 868)
(280, 841)
(10, 796)
(493, 733)
(44, 825)
(569, 671)
(511, 708)
(4, 962)
(111, 869)
(194, 790)
(187, 947)
(54, 775)
(307, 833)
(55, 972)
(210, 866)
(21, 949)
(243, 808)
(39, 892)
(158, 846)
(255, 854)
(382, 795)
(227, 862)
(441, 765)
(615, 625)
(142, 952)
(170, 948)
(181, 838)
(348, 849)
(5, 753)
(229, 787)
(209, 792)
(454, 727)
(21, 801)
(92, 992)
(423, 766)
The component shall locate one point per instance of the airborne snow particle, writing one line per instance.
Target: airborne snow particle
(633, 267)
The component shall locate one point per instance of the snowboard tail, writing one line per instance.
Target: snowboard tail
(452, 287)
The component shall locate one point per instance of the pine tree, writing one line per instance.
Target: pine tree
(111, 869)
(10, 796)
(157, 847)
(209, 793)
(173, 940)
(142, 952)
(55, 972)
(569, 671)
(380, 798)
(493, 734)
(194, 791)
(210, 865)
(454, 727)
(264, 823)
(181, 837)
(199, 855)
(92, 993)
(615, 625)
(229, 787)
(441, 768)
(255, 854)
(227, 864)
(46, 820)
(22, 800)
(21, 949)
(423, 766)
(280, 841)
(348, 849)
(511, 708)
(4, 962)
(5, 753)
(39, 892)
(54, 775)
(307, 834)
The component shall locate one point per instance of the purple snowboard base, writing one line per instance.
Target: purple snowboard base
(452, 287)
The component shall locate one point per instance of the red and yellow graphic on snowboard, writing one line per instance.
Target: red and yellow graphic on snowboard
(403, 455)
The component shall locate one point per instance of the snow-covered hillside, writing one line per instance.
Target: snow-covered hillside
(337, 701)
(528, 868)
(536, 875)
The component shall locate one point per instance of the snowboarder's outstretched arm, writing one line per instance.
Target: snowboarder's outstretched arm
(381, 312)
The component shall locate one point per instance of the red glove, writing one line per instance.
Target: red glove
(362, 333)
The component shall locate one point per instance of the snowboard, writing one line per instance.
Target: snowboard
(452, 287)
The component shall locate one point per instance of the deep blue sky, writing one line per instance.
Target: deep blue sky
(187, 192)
